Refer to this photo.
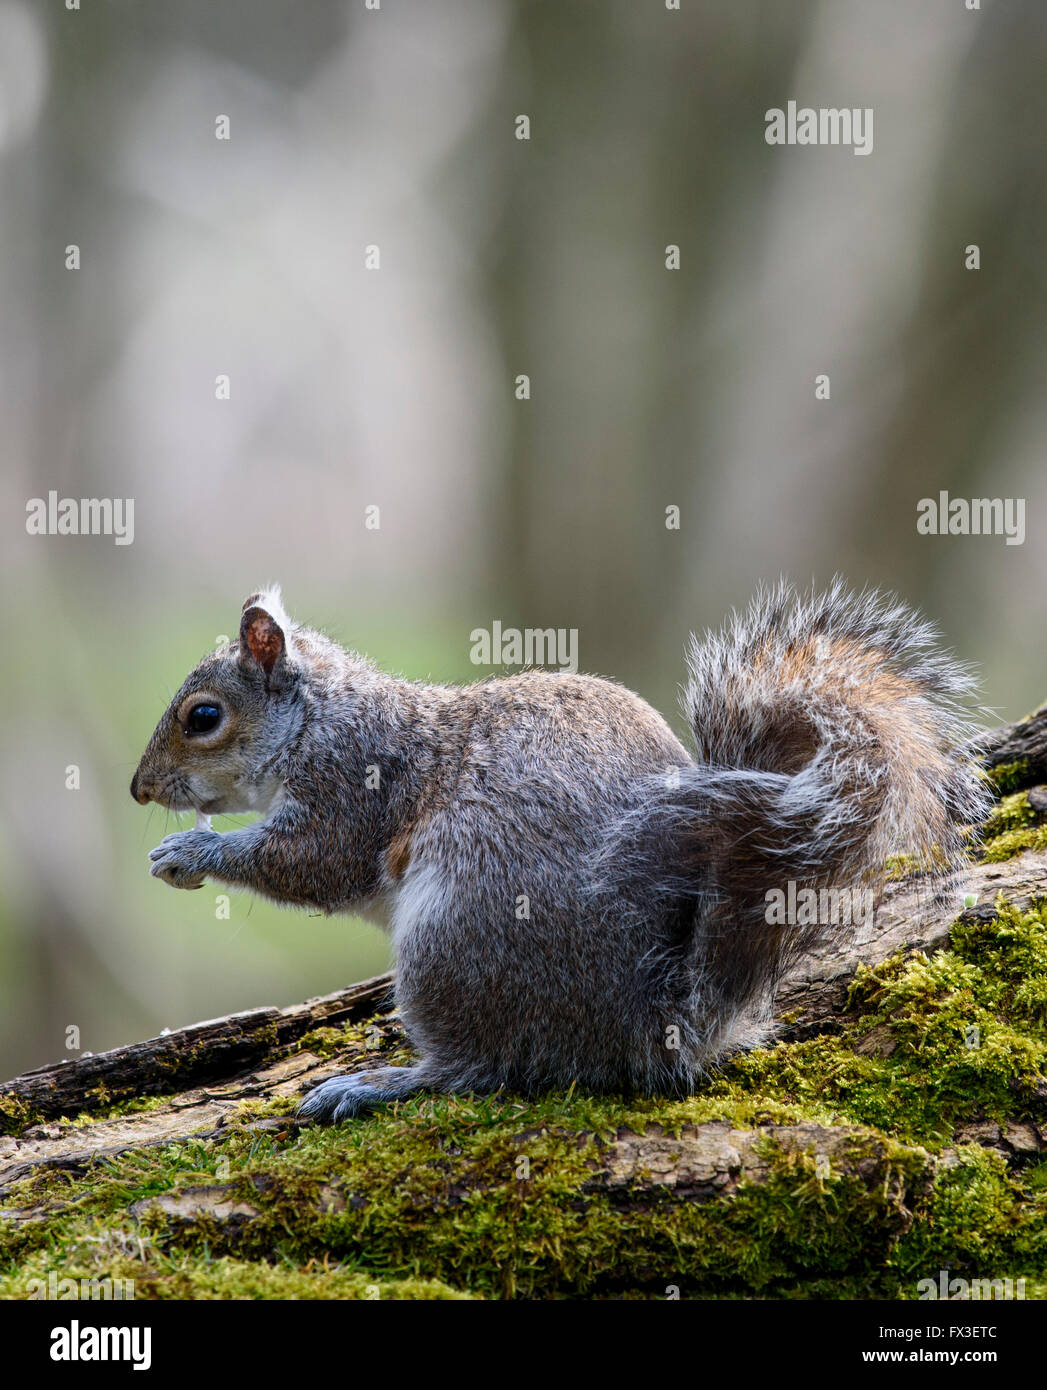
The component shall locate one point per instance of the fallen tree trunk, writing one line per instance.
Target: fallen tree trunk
(183, 1057)
(1019, 749)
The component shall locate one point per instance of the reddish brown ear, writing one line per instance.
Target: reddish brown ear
(261, 639)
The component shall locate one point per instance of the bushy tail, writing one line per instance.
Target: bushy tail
(830, 732)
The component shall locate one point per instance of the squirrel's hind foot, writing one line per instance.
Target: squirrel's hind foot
(344, 1097)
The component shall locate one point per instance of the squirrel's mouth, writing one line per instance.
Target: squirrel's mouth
(173, 801)
(172, 793)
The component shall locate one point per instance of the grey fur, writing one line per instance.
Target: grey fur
(829, 731)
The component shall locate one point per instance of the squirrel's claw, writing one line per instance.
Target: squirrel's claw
(344, 1097)
(181, 859)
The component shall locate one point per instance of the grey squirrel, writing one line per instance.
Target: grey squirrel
(573, 896)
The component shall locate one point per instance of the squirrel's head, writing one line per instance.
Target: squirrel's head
(218, 745)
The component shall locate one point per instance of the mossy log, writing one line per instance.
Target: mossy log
(834, 1161)
(213, 1051)
(1016, 754)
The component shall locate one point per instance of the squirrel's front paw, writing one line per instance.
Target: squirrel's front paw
(185, 858)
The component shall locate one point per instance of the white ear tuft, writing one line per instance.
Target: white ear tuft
(270, 599)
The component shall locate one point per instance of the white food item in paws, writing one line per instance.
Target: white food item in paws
(202, 822)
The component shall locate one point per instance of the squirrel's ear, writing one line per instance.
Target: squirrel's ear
(263, 643)
(262, 640)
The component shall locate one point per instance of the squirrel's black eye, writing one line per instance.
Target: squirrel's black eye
(202, 719)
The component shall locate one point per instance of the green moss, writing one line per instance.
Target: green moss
(277, 1107)
(1011, 827)
(1009, 777)
(16, 1115)
(934, 1044)
(980, 1220)
(494, 1196)
(1014, 842)
(900, 866)
(382, 1036)
(160, 1277)
(434, 1194)
(324, 1042)
(1012, 813)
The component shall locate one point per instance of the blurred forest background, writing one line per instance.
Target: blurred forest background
(351, 387)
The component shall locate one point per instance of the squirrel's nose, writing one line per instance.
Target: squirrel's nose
(139, 794)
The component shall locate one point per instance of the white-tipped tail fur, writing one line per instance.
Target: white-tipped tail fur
(830, 732)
